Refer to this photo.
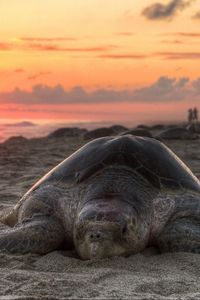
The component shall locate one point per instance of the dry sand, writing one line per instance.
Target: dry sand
(61, 274)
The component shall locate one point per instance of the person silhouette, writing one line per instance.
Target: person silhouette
(195, 114)
(190, 115)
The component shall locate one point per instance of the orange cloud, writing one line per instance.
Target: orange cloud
(47, 39)
(196, 15)
(52, 47)
(179, 55)
(166, 55)
(172, 42)
(49, 47)
(37, 75)
(186, 34)
(123, 56)
(5, 47)
(19, 70)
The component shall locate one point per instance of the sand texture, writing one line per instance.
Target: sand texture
(61, 274)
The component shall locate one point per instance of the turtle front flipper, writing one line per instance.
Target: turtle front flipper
(183, 235)
(40, 234)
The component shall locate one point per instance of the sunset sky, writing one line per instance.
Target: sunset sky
(125, 61)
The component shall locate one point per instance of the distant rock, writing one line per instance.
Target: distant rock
(67, 132)
(99, 132)
(21, 124)
(118, 128)
(20, 140)
(141, 126)
(138, 132)
(173, 126)
(157, 127)
(177, 133)
(195, 127)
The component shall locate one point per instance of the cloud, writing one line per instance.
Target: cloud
(104, 51)
(185, 34)
(196, 85)
(165, 89)
(172, 42)
(47, 39)
(9, 72)
(5, 47)
(38, 75)
(158, 11)
(179, 55)
(123, 56)
(166, 55)
(19, 70)
(42, 94)
(50, 47)
(43, 46)
(196, 15)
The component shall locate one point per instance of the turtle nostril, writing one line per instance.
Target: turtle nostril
(95, 236)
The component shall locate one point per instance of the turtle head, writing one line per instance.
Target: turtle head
(108, 228)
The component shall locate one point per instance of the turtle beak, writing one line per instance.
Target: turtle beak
(94, 249)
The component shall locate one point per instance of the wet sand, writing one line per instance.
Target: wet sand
(61, 274)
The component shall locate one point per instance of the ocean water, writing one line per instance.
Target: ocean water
(30, 130)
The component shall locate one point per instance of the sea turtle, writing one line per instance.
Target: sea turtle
(114, 196)
(138, 132)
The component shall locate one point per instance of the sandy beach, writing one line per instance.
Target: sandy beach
(61, 274)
